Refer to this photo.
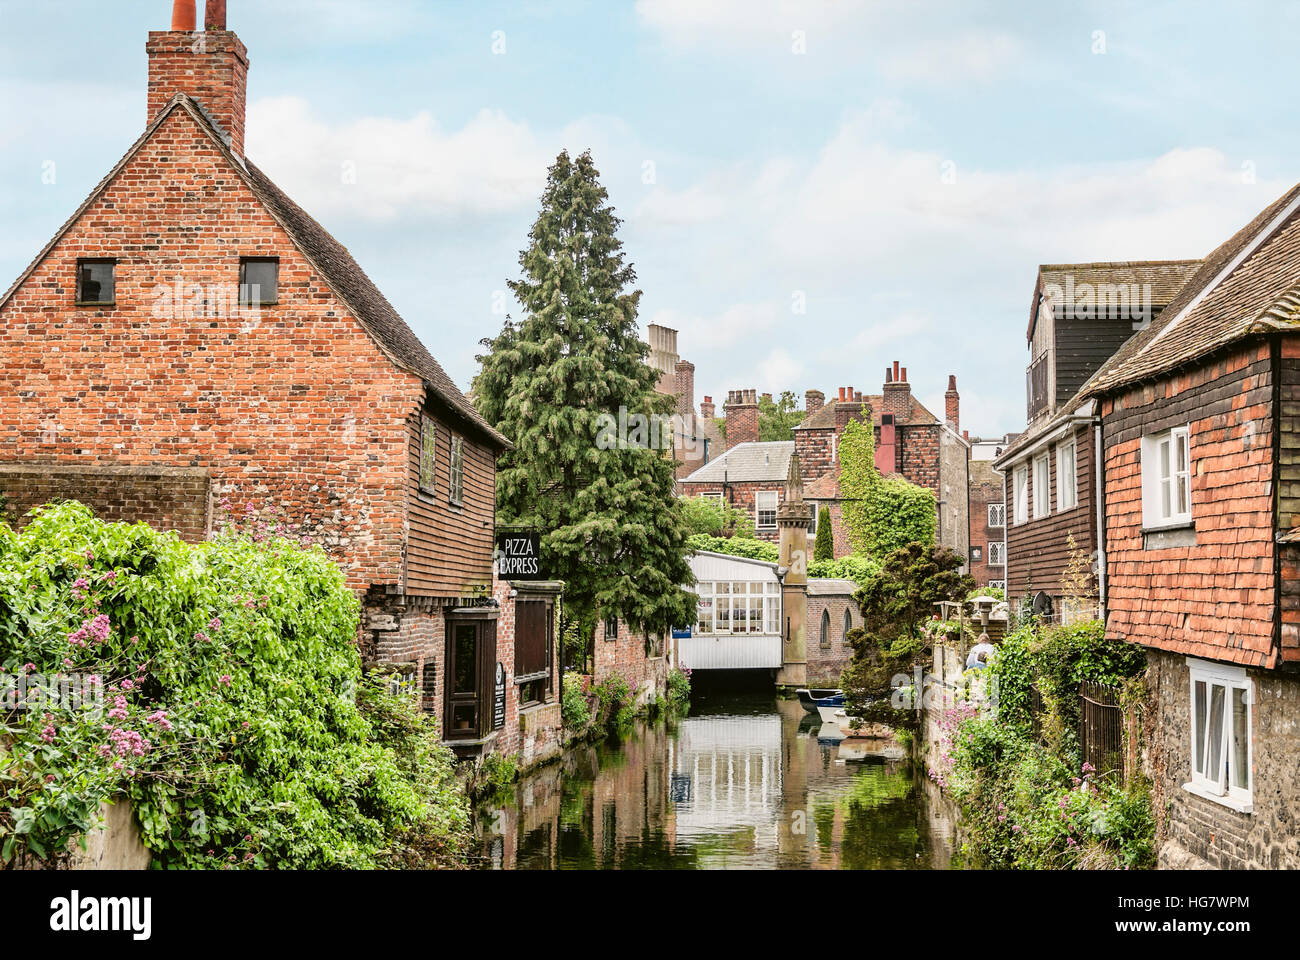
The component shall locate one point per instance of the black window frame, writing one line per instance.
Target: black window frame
(611, 622)
(86, 261)
(456, 471)
(246, 302)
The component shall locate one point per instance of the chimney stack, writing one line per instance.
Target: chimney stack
(707, 409)
(742, 417)
(214, 15)
(813, 401)
(184, 16)
(209, 67)
(952, 404)
(897, 399)
(685, 388)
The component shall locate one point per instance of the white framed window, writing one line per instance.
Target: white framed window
(1167, 479)
(997, 585)
(816, 509)
(997, 553)
(1042, 486)
(1020, 493)
(743, 606)
(765, 503)
(997, 514)
(1067, 477)
(1222, 704)
(715, 495)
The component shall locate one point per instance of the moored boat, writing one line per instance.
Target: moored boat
(816, 697)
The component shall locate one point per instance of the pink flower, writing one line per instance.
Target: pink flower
(215, 625)
(225, 679)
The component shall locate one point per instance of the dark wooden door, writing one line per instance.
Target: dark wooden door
(471, 675)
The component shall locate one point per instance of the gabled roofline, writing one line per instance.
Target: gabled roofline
(1092, 265)
(200, 116)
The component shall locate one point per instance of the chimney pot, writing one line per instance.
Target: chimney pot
(904, 375)
(184, 16)
(857, 397)
(889, 375)
(215, 15)
(952, 381)
(896, 370)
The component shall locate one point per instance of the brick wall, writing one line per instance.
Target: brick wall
(826, 663)
(815, 452)
(627, 657)
(1215, 597)
(741, 412)
(168, 498)
(295, 408)
(983, 493)
(211, 67)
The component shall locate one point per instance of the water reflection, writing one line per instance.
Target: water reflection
(745, 781)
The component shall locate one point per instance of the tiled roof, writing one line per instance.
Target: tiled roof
(329, 257)
(824, 419)
(825, 487)
(981, 471)
(1166, 277)
(830, 587)
(1250, 284)
(746, 463)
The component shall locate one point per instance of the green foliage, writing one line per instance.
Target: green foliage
(551, 381)
(575, 708)
(881, 514)
(1026, 801)
(616, 707)
(397, 723)
(1024, 807)
(896, 604)
(679, 690)
(995, 592)
(778, 418)
(859, 569)
(231, 674)
(714, 517)
(491, 775)
(824, 546)
(734, 546)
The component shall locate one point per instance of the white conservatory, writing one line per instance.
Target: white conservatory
(739, 622)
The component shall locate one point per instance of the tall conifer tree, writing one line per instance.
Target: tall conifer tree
(611, 526)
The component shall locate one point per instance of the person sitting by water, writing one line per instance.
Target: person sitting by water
(978, 658)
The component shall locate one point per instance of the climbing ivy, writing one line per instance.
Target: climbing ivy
(881, 514)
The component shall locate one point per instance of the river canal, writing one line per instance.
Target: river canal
(744, 781)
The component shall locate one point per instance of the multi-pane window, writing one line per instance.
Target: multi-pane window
(611, 628)
(997, 553)
(1042, 486)
(1020, 491)
(259, 281)
(97, 282)
(456, 465)
(742, 606)
(812, 521)
(826, 629)
(1221, 730)
(428, 453)
(997, 584)
(1166, 479)
(1067, 493)
(997, 514)
(765, 504)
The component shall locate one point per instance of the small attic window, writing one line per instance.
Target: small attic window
(259, 281)
(97, 282)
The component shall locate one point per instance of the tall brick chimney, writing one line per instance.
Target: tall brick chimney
(742, 417)
(813, 401)
(952, 404)
(849, 407)
(209, 66)
(707, 411)
(685, 388)
(897, 394)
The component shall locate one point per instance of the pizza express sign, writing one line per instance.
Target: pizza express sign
(519, 556)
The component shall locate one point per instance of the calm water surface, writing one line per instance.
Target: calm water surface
(745, 781)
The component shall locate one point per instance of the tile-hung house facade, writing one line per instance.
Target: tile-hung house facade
(192, 336)
(1080, 315)
(1202, 492)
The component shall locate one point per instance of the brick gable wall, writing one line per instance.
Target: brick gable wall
(1214, 599)
(981, 534)
(295, 409)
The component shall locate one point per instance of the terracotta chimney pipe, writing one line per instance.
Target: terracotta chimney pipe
(889, 375)
(215, 15)
(896, 371)
(184, 17)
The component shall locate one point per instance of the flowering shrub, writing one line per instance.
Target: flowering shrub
(679, 690)
(229, 718)
(575, 705)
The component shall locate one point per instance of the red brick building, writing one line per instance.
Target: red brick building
(1202, 504)
(191, 336)
(988, 526)
(911, 442)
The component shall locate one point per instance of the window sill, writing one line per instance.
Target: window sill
(1240, 806)
(95, 306)
(530, 708)
(1170, 525)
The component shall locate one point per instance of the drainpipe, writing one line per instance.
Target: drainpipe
(1099, 495)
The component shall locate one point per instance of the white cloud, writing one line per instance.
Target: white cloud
(974, 54)
(402, 166)
(780, 367)
(690, 23)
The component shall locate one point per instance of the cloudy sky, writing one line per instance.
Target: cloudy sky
(894, 170)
